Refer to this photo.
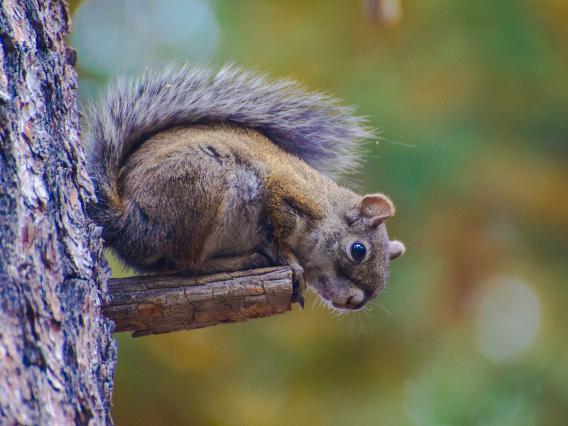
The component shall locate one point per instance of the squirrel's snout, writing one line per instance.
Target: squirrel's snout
(353, 303)
(342, 293)
(354, 299)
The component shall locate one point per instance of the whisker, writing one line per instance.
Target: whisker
(362, 322)
(407, 145)
(384, 309)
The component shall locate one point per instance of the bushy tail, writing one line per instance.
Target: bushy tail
(312, 126)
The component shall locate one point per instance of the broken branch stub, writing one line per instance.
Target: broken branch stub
(153, 304)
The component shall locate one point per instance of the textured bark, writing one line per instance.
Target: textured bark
(160, 304)
(56, 351)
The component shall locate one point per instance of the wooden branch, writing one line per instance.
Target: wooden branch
(153, 304)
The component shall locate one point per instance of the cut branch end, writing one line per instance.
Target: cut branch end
(154, 304)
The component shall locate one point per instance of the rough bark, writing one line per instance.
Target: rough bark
(56, 351)
(160, 304)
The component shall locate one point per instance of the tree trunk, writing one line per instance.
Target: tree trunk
(56, 352)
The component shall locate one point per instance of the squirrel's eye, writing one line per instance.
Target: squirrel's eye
(358, 251)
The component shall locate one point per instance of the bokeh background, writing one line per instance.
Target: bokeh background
(471, 100)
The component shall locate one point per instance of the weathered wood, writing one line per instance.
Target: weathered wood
(56, 350)
(153, 304)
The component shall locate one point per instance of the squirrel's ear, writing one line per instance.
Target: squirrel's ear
(373, 209)
(396, 249)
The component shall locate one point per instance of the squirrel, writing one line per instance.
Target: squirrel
(198, 170)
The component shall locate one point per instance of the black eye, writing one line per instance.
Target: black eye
(358, 251)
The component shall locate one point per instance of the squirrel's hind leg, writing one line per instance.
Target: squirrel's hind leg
(236, 263)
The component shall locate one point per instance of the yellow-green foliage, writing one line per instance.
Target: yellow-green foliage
(471, 99)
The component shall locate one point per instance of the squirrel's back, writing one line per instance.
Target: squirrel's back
(309, 125)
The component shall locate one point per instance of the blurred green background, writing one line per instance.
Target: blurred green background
(471, 100)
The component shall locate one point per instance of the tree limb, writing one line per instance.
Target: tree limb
(153, 304)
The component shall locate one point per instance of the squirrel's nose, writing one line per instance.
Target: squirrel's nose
(357, 299)
(354, 303)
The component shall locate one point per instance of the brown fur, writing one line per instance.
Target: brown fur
(211, 198)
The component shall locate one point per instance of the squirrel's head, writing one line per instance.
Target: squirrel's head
(349, 264)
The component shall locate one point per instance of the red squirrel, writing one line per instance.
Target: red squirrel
(200, 171)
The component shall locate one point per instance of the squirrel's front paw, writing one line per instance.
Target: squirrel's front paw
(297, 278)
(299, 284)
